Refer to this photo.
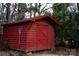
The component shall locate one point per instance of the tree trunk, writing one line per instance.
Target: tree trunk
(7, 11)
(78, 6)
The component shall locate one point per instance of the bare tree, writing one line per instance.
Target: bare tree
(7, 11)
(14, 12)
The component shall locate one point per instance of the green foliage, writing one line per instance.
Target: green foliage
(69, 22)
(76, 26)
(21, 10)
(22, 7)
(61, 13)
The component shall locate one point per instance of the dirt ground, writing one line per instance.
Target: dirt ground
(55, 52)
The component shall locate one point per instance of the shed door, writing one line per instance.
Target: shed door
(45, 36)
(42, 36)
(51, 36)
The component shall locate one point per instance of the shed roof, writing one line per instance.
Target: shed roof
(52, 20)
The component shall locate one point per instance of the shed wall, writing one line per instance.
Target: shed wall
(30, 37)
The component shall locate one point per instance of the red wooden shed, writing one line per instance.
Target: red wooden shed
(31, 35)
